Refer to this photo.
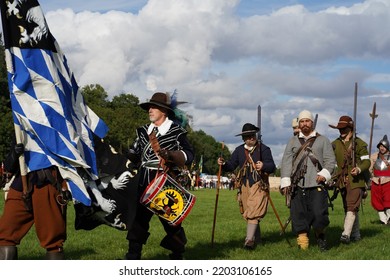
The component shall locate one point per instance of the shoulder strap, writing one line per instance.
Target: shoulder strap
(301, 149)
(304, 145)
(347, 153)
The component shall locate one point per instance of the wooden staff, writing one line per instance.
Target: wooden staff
(22, 162)
(216, 199)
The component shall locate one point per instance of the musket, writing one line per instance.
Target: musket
(373, 115)
(259, 124)
(315, 121)
(354, 128)
(216, 198)
(295, 180)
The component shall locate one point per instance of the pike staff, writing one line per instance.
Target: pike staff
(373, 115)
(216, 198)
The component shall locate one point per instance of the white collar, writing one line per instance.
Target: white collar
(250, 149)
(163, 128)
(312, 134)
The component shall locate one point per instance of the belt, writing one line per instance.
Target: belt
(382, 178)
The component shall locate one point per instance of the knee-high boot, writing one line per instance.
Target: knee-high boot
(134, 251)
(137, 237)
(8, 253)
(176, 243)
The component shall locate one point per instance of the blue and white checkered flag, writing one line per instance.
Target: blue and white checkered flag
(56, 125)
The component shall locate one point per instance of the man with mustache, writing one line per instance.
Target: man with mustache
(351, 179)
(307, 164)
(254, 163)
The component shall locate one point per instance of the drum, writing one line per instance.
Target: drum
(166, 198)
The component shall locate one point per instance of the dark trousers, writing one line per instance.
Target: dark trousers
(309, 208)
(139, 230)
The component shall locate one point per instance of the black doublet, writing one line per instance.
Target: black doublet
(175, 139)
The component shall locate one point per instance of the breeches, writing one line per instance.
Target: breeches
(380, 196)
(48, 216)
(351, 198)
(309, 208)
(254, 201)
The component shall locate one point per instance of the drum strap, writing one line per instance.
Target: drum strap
(156, 146)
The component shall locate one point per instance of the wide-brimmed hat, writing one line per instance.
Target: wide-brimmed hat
(344, 121)
(384, 142)
(248, 129)
(159, 99)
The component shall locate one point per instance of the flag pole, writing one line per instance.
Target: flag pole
(216, 198)
(22, 162)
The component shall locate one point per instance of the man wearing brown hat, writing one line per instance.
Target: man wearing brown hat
(161, 141)
(307, 164)
(350, 179)
(254, 162)
(380, 181)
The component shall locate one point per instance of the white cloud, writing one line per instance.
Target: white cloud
(225, 65)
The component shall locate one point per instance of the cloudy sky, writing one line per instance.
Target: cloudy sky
(226, 57)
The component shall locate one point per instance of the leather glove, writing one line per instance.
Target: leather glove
(176, 157)
(19, 149)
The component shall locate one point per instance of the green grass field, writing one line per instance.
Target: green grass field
(106, 243)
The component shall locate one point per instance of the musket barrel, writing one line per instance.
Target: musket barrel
(354, 128)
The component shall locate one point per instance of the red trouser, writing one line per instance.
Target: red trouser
(380, 196)
(48, 216)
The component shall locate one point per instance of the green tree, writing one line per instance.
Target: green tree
(206, 146)
(6, 124)
(122, 115)
(95, 96)
(127, 115)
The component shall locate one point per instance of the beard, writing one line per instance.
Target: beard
(306, 129)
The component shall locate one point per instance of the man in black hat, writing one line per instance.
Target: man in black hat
(254, 162)
(350, 179)
(165, 142)
(380, 181)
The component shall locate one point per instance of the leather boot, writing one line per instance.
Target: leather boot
(134, 252)
(55, 255)
(176, 243)
(8, 253)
